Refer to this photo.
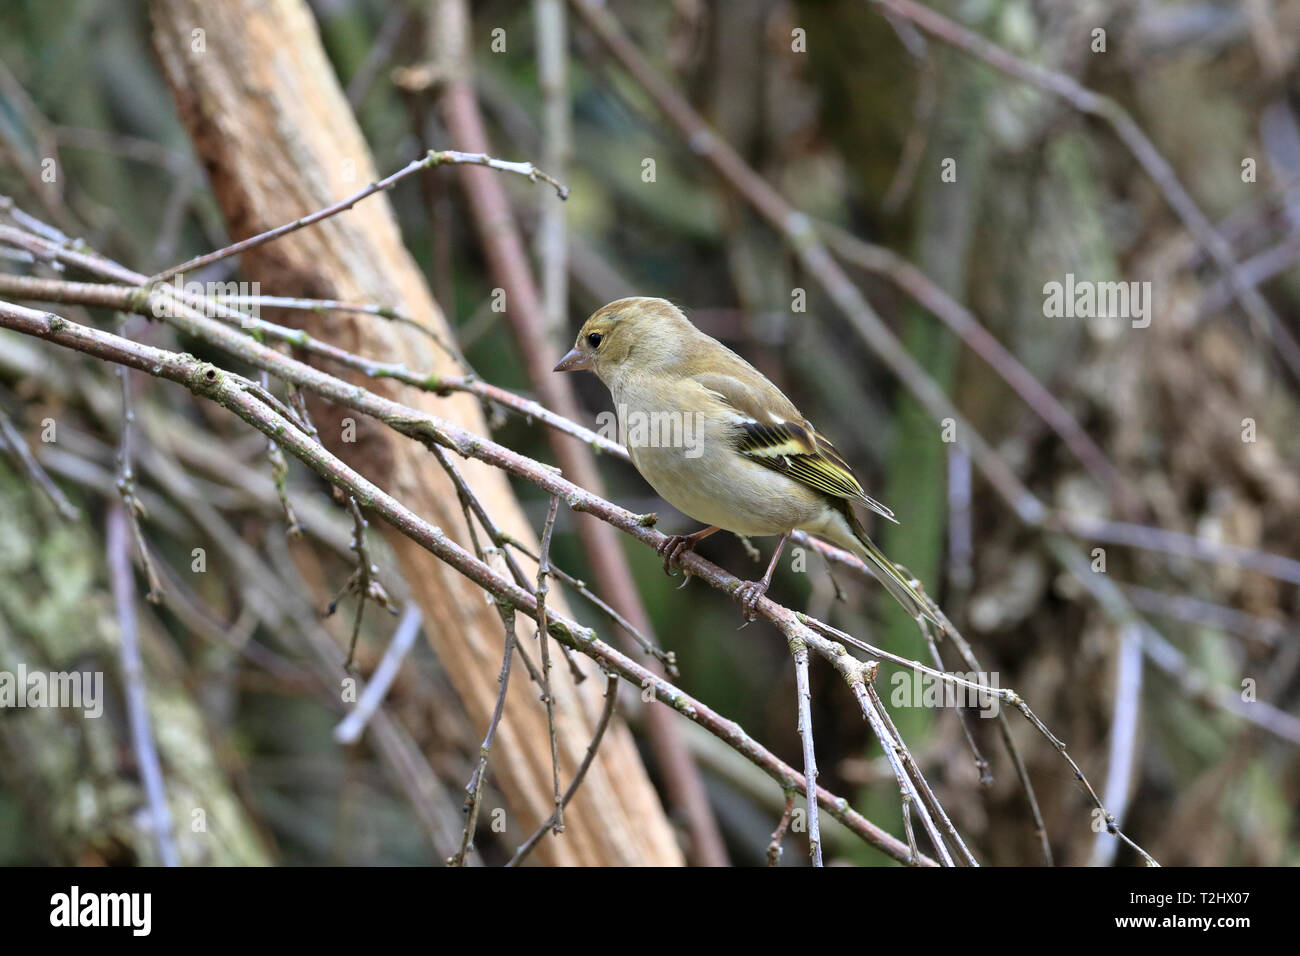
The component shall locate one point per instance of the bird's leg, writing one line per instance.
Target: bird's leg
(749, 592)
(674, 546)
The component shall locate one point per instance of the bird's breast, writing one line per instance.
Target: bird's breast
(689, 456)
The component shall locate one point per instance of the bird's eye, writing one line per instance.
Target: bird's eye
(594, 340)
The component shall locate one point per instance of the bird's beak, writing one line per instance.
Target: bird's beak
(574, 361)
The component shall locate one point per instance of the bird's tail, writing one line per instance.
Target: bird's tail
(896, 582)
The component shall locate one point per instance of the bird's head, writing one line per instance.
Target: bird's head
(650, 331)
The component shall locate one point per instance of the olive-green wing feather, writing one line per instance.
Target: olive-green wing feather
(797, 450)
(773, 433)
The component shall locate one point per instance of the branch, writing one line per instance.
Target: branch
(13, 440)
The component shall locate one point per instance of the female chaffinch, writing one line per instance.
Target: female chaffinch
(723, 445)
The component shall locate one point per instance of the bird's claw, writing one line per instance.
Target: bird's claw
(749, 594)
(672, 548)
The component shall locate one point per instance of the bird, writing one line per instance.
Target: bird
(724, 446)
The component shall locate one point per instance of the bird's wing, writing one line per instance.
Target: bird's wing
(773, 433)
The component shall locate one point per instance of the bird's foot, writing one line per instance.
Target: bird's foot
(749, 594)
(673, 547)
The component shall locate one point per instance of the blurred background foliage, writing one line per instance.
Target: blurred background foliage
(853, 132)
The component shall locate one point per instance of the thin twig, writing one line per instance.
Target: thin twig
(473, 509)
(981, 762)
(474, 790)
(349, 729)
(142, 741)
(606, 713)
(1170, 660)
(799, 650)
(1256, 270)
(320, 306)
(967, 654)
(774, 850)
(1124, 726)
(363, 583)
(126, 488)
(544, 569)
(280, 476)
(1004, 694)
(894, 749)
(12, 439)
(923, 785)
(431, 160)
(1175, 543)
(1192, 610)
(380, 53)
(551, 237)
(667, 658)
